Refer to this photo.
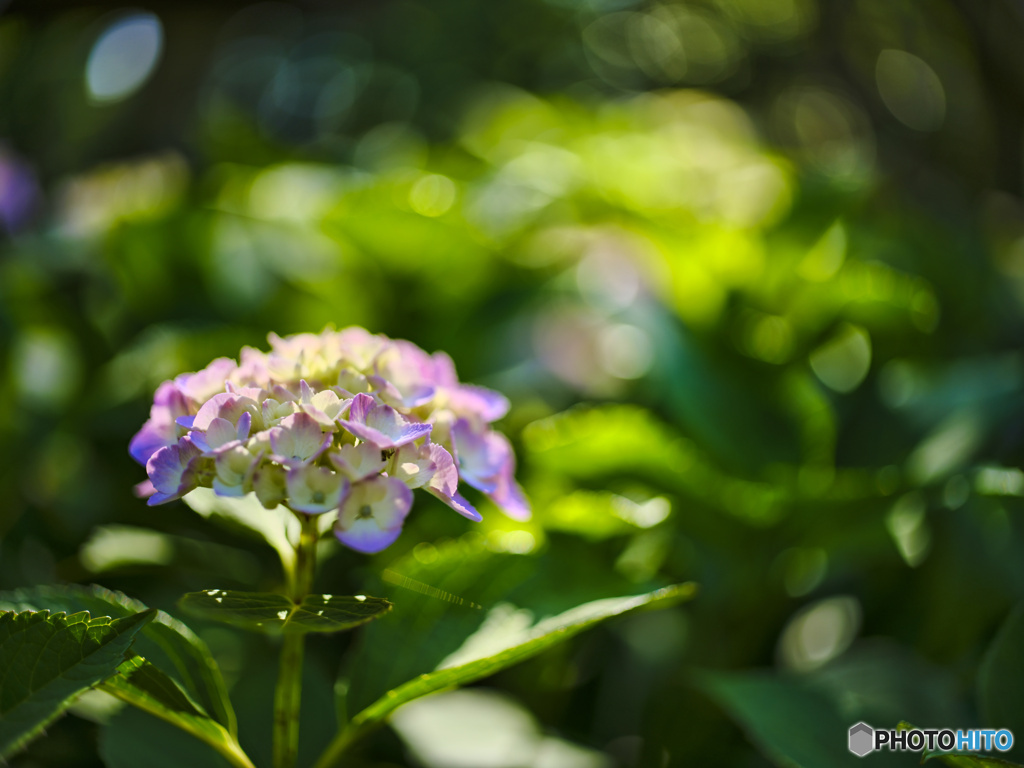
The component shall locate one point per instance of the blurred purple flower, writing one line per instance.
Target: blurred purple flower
(19, 192)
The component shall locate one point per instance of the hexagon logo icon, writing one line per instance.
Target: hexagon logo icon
(862, 739)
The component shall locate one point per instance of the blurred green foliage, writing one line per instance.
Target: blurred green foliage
(750, 272)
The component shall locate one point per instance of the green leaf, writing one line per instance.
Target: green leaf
(1001, 677)
(46, 659)
(165, 641)
(597, 515)
(277, 527)
(792, 725)
(449, 591)
(127, 742)
(496, 645)
(272, 613)
(439, 605)
(590, 442)
(144, 686)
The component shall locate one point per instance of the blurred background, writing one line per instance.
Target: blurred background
(751, 272)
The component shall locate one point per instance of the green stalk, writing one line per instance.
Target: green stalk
(287, 697)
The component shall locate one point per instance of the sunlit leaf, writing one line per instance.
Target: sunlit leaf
(502, 644)
(271, 613)
(597, 515)
(144, 686)
(48, 658)
(442, 594)
(595, 442)
(165, 641)
(277, 527)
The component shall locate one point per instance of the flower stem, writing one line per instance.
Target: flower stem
(287, 697)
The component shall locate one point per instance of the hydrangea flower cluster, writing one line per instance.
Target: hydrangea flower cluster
(342, 421)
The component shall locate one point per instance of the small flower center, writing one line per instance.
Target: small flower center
(365, 511)
(318, 497)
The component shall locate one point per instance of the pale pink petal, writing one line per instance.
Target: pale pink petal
(298, 440)
(358, 461)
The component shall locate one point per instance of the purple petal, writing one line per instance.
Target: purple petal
(173, 471)
(459, 504)
(511, 500)
(479, 402)
(257, 394)
(298, 440)
(366, 537)
(160, 429)
(381, 425)
(371, 516)
(444, 370)
(413, 396)
(244, 425)
(282, 394)
(445, 482)
(220, 431)
(408, 372)
(151, 438)
(220, 436)
(446, 476)
(358, 461)
(226, 406)
(202, 385)
(359, 347)
(361, 406)
(235, 467)
(414, 465)
(482, 456)
(144, 489)
(315, 490)
(253, 369)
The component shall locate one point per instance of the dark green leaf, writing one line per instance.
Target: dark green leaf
(792, 724)
(268, 612)
(499, 644)
(165, 641)
(141, 684)
(45, 659)
(128, 740)
(878, 681)
(1001, 677)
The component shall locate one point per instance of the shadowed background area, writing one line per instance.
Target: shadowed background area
(750, 272)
